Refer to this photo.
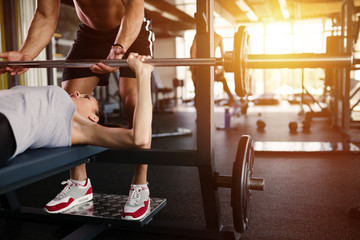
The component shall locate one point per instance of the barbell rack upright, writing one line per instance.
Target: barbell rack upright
(205, 113)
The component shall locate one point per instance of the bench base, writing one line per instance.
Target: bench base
(107, 208)
(103, 208)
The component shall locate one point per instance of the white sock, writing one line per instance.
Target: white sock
(79, 182)
(141, 185)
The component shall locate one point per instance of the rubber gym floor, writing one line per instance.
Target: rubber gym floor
(306, 196)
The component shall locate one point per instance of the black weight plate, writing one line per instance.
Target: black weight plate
(240, 192)
(240, 52)
(251, 156)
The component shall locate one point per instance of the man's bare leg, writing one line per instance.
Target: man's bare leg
(84, 86)
(128, 93)
(227, 89)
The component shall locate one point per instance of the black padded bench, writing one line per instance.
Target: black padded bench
(36, 164)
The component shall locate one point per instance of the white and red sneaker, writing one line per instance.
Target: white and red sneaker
(138, 203)
(72, 195)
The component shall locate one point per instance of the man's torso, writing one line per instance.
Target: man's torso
(101, 15)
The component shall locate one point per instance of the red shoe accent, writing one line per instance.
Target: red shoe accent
(139, 212)
(89, 191)
(59, 206)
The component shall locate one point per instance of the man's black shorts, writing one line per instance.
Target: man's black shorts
(93, 44)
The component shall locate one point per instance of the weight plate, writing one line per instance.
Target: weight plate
(240, 192)
(247, 79)
(240, 53)
(251, 157)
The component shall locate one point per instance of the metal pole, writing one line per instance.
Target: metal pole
(205, 112)
(49, 55)
(10, 34)
(302, 92)
(304, 60)
(349, 43)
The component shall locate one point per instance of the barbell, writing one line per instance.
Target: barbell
(237, 61)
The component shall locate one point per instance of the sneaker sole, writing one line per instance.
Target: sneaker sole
(138, 218)
(73, 204)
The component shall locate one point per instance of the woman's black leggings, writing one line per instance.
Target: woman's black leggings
(7, 140)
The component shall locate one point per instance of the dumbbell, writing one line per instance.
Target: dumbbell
(293, 127)
(260, 124)
(306, 125)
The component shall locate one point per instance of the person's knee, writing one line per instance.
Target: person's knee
(84, 85)
(129, 101)
(129, 96)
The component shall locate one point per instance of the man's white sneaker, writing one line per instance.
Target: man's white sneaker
(138, 203)
(72, 195)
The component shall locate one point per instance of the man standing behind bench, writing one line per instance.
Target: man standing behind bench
(109, 29)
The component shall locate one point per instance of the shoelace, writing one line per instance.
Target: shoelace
(135, 196)
(63, 193)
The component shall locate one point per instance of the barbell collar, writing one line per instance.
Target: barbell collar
(301, 60)
(86, 63)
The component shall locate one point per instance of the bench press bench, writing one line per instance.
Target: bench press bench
(36, 164)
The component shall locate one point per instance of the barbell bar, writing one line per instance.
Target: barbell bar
(85, 63)
(256, 61)
(300, 60)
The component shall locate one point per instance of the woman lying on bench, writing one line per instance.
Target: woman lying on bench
(35, 117)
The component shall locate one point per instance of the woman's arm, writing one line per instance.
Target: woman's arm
(143, 110)
(140, 134)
